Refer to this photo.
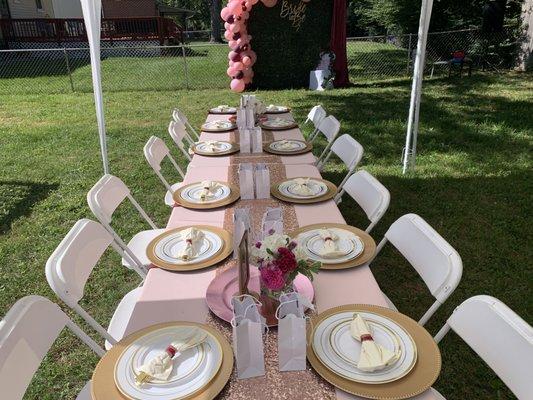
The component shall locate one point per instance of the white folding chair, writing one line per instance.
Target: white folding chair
(155, 151)
(499, 336)
(329, 127)
(437, 263)
(369, 194)
(177, 115)
(103, 199)
(69, 268)
(349, 151)
(27, 332)
(316, 115)
(178, 133)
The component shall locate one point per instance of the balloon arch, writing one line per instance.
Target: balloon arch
(241, 57)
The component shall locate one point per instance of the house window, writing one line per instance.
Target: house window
(39, 5)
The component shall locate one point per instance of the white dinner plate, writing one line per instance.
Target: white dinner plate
(204, 147)
(221, 125)
(277, 123)
(224, 109)
(348, 243)
(318, 189)
(277, 109)
(192, 370)
(193, 193)
(339, 352)
(168, 247)
(288, 145)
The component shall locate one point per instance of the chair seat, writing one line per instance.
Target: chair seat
(139, 243)
(390, 304)
(121, 316)
(436, 395)
(85, 393)
(169, 201)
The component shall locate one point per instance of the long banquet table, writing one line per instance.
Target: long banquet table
(170, 296)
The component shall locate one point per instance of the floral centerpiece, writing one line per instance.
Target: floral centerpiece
(279, 260)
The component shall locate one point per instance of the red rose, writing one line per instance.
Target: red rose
(286, 260)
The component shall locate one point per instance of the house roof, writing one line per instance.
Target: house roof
(169, 10)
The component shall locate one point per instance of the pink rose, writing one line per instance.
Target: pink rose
(272, 277)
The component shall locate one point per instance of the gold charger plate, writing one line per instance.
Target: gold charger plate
(278, 128)
(217, 112)
(422, 376)
(103, 385)
(234, 149)
(232, 198)
(308, 148)
(368, 252)
(223, 253)
(332, 190)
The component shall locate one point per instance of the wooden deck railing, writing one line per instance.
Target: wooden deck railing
(66, 30)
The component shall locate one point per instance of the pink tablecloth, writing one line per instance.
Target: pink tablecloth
(168, 296)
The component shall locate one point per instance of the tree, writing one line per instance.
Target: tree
(215, 7)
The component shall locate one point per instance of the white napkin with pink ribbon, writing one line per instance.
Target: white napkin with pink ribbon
(329, 248)
(193, 242)
(302, 188)
(209, 189)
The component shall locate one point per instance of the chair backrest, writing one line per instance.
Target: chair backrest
(104, 198)
(329, 127)
(179, 135)
(155, 151)
(349, 151)
(179, 116)
(27, 332)
(71, 264)
(315, 115)
(435, 260)
(499, 336)
(370, 194)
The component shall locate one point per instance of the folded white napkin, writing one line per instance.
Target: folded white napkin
(208, 189)
(212, 145)
(160, 366)
(329, 247)
(373, 356)
(301, 187)
(194, 239)
(285, 144)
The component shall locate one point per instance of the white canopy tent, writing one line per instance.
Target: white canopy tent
(92, 15)
(92, 11)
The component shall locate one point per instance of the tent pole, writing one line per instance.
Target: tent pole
(416, 89)
(92, 13)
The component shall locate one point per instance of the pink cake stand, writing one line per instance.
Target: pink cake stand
(226, 285)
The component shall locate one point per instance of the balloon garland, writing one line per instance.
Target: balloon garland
(241, 57)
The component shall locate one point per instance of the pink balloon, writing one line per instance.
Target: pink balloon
(236, 27)
(238, 11)
(225, 13)
(247, 80)
(234, 56)
(247, 61)
(245, 15)
(238, 66)
(269, 3)
(233, 6)
(248, 5)
(231, 72)
(227, 25)
(253, 56)
(233, 44)
(237, 85)
(253, 1)
(228, 35)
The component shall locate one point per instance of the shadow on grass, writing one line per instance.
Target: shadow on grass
(17, 199)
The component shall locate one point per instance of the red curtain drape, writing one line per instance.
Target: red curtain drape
(338, 43)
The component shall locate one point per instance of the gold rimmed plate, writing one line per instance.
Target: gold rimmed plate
(301, 148)
(423, 374)
(269, 126)
(220, 248)
(103, 385)
(327, 191)
(369, 248)
(277, 110)
(226, 193)
(223, 110)
(228, 148)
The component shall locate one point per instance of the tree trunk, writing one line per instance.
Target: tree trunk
(525, 54)
(215, 7)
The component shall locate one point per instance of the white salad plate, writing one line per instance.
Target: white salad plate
(169, 246)
(193, 194)
(220, 147)
(192, 370)
(317, 188)
(339, 351)
(221, 126)
(288, 145)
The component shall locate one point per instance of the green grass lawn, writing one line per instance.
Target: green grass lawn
(473, 184)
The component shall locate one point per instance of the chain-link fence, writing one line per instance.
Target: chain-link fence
(374, 57)
(130, 66)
